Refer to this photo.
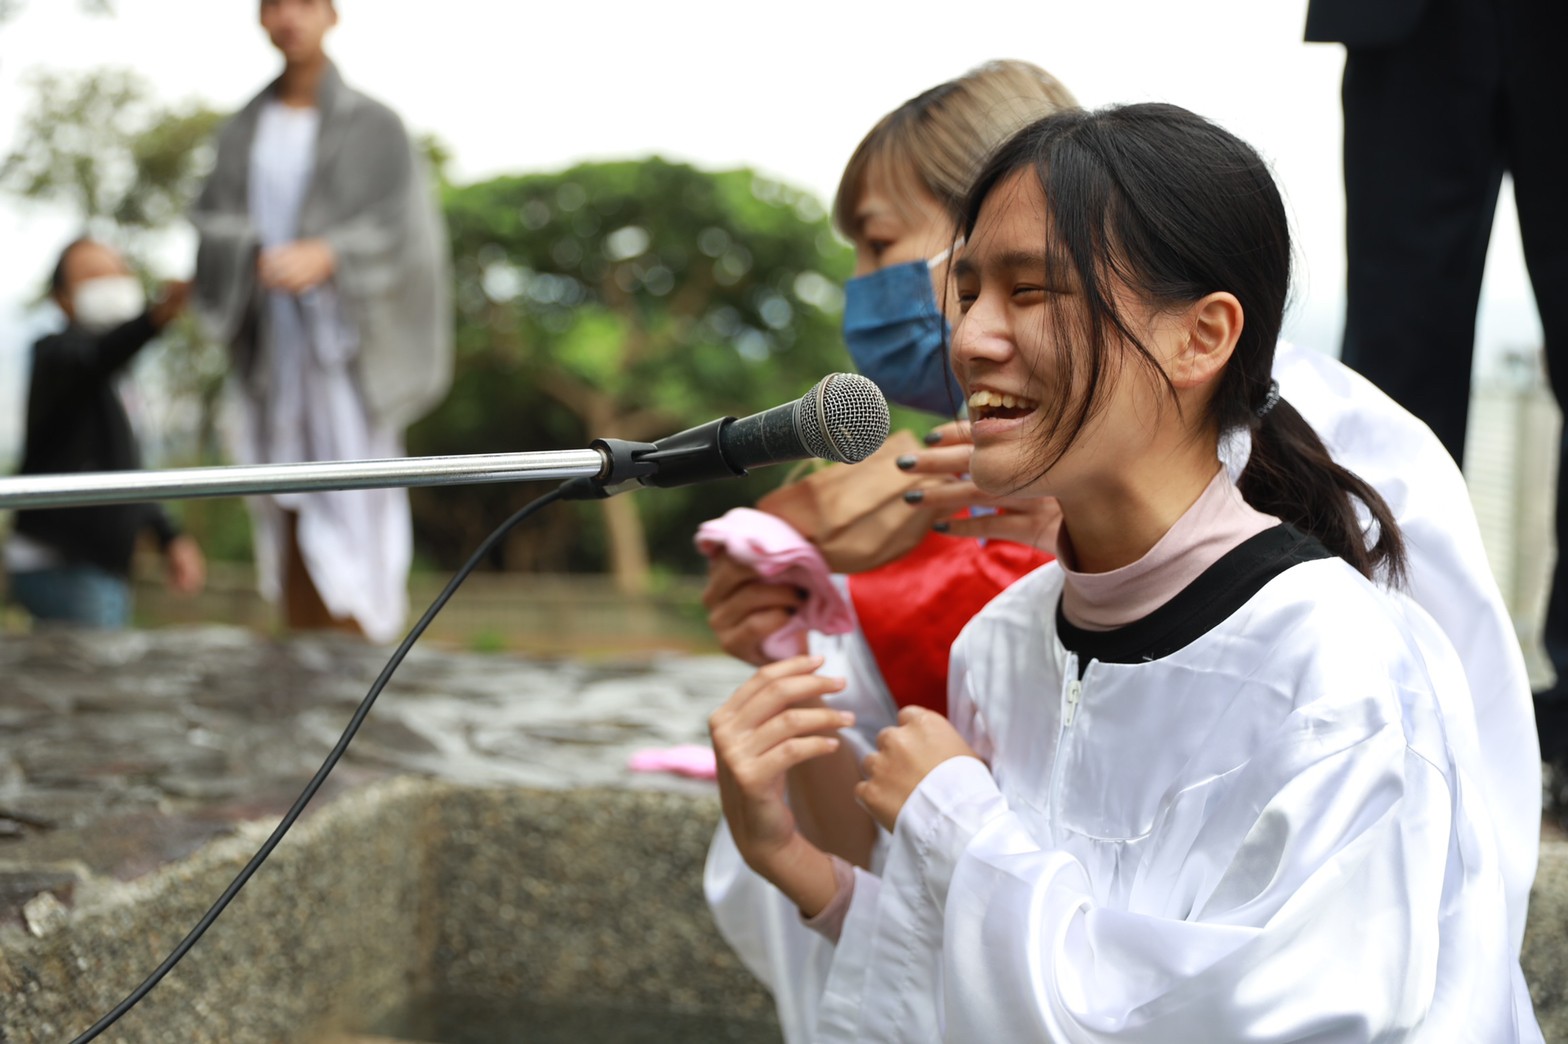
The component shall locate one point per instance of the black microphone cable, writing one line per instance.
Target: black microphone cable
(320, 777)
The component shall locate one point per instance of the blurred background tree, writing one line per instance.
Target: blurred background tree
(629, 300)
(11, 8)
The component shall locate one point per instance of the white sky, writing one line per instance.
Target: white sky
(518, 85)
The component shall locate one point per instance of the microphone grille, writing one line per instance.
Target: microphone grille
(842, 418)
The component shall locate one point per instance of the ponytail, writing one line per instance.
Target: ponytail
(1291, 476)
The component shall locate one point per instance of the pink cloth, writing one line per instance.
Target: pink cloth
(1216, 522)
(688, 759)
(779, 554)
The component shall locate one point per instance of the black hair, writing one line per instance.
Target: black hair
(1172, 206)
(57, 277)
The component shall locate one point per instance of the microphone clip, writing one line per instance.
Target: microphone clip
(691, 456)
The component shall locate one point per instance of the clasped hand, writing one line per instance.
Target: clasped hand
(776, 721)
(296, 267)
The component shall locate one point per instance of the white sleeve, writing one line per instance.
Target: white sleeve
(1449, 577)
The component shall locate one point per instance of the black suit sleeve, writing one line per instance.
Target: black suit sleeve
(73, 362)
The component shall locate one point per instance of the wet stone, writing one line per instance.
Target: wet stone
(136, 748)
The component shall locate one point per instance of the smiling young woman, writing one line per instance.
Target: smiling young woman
(1212, 776)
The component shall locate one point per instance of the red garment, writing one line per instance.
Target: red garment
(911, 609)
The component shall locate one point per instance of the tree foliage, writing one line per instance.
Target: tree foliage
(627, 300)
(98, 143)
(9, 9)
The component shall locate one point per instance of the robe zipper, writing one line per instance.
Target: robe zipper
(1072, 695)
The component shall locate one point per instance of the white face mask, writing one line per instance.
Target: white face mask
(104, 303)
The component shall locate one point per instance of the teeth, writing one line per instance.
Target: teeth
(981, 399)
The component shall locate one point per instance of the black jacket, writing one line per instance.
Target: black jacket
(75, 423)
(1363, 23)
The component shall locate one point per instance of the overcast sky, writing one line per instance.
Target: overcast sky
(788, 88)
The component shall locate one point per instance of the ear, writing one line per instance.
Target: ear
(1212, 326)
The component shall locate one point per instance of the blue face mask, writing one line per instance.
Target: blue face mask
(898, 337)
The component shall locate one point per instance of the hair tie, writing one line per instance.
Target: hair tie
(1270, 399)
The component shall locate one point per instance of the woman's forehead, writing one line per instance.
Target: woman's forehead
(1012, 216)
(891, 188)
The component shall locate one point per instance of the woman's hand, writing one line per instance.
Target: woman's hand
(1024, 520)
(759, 734)
(906, 753)
(772, 723)
(743, 609)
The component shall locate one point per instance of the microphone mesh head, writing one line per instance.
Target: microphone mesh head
(843, 418)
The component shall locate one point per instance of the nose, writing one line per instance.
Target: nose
(983, 334)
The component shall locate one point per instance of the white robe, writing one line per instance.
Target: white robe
(1247, 840)
(1449, 576)
(357, 545)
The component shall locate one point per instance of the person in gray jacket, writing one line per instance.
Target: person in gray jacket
(323, 265)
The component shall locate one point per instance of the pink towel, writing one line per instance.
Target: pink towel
(778, 553)
(688, 759)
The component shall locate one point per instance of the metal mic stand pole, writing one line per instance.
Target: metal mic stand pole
(120, 487)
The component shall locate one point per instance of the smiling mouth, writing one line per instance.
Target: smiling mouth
(989, 405)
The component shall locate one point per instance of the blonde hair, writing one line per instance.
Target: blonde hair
(941, 137)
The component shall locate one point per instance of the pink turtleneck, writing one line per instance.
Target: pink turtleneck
(1216, 522)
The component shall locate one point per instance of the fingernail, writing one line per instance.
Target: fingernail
(846, 717)
(940, 527)
(905, 463)
(933, 437)
(914, 496)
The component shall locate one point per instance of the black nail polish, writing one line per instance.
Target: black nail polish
(940, 527)
(933, 437)
(914, 496)
(905, 463)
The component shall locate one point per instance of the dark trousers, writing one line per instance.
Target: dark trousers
(1431, 124)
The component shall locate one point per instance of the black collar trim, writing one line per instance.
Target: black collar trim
(1202, 605)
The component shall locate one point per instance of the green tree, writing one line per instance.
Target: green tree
(626, 300)
(100, 144)
(9, 9)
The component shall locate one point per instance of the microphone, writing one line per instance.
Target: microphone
(843, 418)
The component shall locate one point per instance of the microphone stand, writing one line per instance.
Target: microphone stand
(122, 487)
(607, 467)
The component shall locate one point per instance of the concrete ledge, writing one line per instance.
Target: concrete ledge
(494, 896)
(402, 889)
(1545, 957)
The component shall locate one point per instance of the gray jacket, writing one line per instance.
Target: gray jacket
(370, 199)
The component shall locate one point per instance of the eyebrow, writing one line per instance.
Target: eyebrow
(1007, 261)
